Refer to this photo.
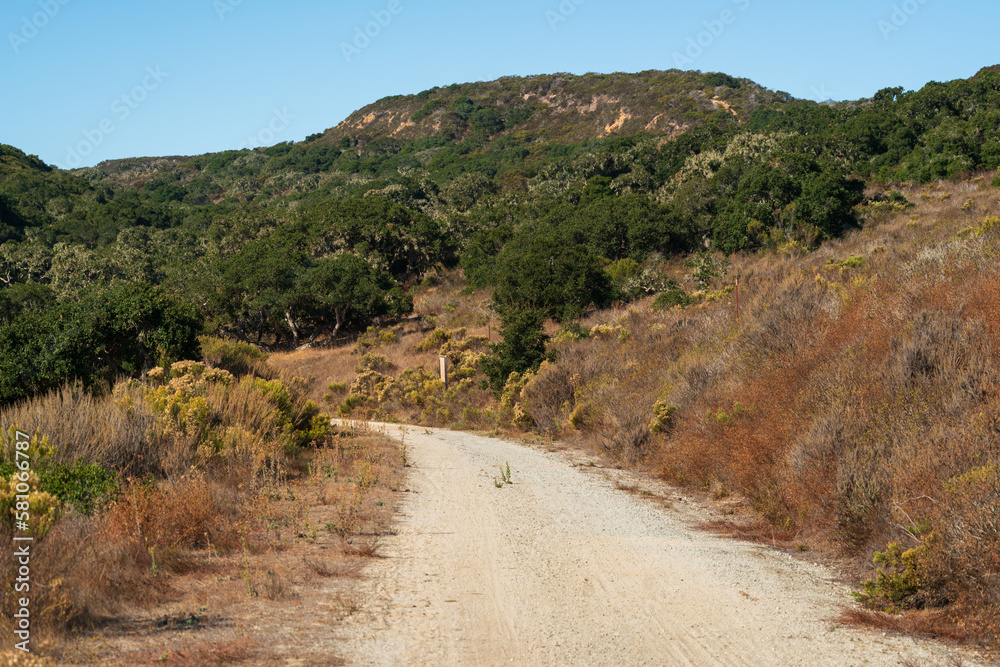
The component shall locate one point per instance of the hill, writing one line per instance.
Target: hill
(559, 108)
(596, 223)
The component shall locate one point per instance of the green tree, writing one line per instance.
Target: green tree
(125, 329)
(255, 290)
(345, 289)
(551, 269)
(522, 348)
(404, 242)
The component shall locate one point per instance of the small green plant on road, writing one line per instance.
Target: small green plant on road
(504, 477)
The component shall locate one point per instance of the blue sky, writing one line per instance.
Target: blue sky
(85, 81)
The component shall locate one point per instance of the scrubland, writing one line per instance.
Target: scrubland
(175, 514)
(852, 406)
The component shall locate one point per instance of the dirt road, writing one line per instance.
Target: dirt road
(562, 568)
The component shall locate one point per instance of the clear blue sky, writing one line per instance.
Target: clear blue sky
(120, 79)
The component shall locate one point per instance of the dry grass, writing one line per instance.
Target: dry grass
(224, 652)
(855, 402)
(929, 624)
(867, 400)
(223, 498)
(82, 426)
(410, 360)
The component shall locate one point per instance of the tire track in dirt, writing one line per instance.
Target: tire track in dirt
(561, 568)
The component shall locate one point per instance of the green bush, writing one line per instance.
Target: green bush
(663, 417)
(898, 577)
(707, 267)
(350, 403)
(375, 337)
(716, 79)
(571, 331)
(234, 356)
(675, 296)
(427, 110)
(522, 349)
(374, 362)
(84, 486)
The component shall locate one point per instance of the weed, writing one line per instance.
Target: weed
(663, 419)
(245, 571)
(707, 267)
(899, 575)
(375, 337)
(503, 478)
(673, 297)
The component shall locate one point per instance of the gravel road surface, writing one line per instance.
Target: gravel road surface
(561, 567)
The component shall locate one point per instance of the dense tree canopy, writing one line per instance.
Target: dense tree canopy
(125, 329)
(302, 242)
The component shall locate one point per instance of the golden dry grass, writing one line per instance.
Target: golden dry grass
(231, 486)
(854, 401)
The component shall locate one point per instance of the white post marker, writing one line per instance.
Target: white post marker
(443, 365)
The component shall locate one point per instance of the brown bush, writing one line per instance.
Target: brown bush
(858, 385)
(549, 397)
(118, 433)
(78, 577)
(156, 524)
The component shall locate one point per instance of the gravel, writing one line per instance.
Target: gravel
(560, 567)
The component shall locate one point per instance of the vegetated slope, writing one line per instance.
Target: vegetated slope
(560, 108)
(551, 109)
(203, 497)
(512, 125)
(335, 233)
(114, 275)
(854, 403)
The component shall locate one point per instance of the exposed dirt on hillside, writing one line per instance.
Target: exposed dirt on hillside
(562, 567)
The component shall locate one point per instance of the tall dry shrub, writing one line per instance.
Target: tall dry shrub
(117, 432)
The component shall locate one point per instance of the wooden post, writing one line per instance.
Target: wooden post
(443, 366)
(737, 298)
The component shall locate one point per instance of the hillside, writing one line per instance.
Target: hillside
(843, 402)
(510, 125)
(559, 108)
(571, 244)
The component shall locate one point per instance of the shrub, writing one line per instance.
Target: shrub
(663, 417)
(581, 416)
(83, 486)
(234, 356)
(571, 331)
(899, 576)
(706, 267)
(623, 275)
(852, 262)
(548, 398)
(673, 297)
(606, 331)
(969, 547)
(374, 362)
(43, 508)
(350, 404)
(375, 337)
(510, 409)
(158, 522)
(435, 340)
(522, 349)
